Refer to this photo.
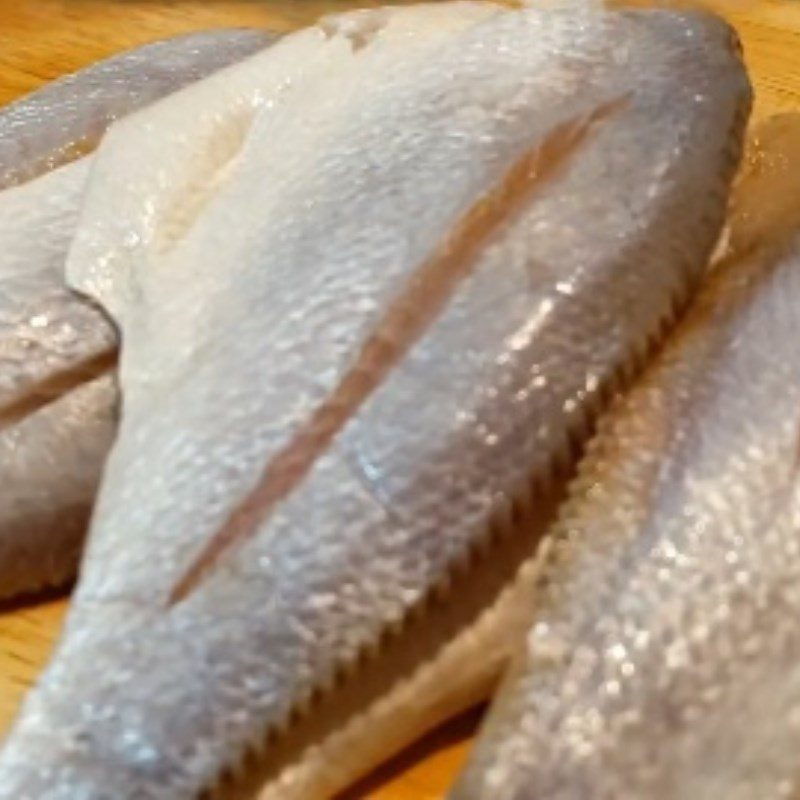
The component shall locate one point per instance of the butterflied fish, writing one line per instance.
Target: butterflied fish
(363, 323)
(662, 661)
(51, 339)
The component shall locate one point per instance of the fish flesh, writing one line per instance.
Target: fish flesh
(362, 323)
(661, 661)
(51, 339)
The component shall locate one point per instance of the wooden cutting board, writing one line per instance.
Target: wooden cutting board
(42, 39)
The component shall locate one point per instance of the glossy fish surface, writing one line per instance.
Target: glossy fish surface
(662, 661)
(359, 325)
(53, 340)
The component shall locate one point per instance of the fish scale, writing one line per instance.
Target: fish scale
(246, 322)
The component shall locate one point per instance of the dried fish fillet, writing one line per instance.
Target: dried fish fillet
(359, 326)
(662, 661)
(51, 339)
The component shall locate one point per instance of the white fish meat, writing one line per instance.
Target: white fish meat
(662, 658)
(51, 339)
(364, 317)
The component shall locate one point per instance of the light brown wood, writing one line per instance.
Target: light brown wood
(42, 39)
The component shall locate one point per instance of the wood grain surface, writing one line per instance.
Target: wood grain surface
(42, 39)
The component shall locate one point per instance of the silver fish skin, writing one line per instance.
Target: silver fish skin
(51, 338)
(662, 657)
(274, 239)
(67, 117)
